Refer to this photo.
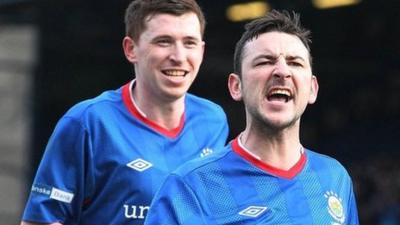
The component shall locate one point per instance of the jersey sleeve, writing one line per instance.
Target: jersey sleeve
(353, 212)
(175, 204)
(57, 192)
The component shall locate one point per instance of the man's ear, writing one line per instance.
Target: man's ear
(235, 86)
(314, 90)
(128, 46)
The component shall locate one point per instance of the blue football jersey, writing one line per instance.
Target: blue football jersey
(233, 187)
(105, 159)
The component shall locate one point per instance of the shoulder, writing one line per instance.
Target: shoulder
(321, 157)
(199, 165)
(90, 112)
(318, 160)
(196, 104)
(95, 106)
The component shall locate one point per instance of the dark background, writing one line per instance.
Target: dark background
(356, 59)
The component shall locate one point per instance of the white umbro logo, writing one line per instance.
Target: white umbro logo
(139, 165)
(253, 211)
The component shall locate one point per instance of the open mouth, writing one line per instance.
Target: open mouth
(175, 73)
(282, 95)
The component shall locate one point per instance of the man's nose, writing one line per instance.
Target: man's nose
(177, 54)
(281, 68)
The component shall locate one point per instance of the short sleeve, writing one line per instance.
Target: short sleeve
(352, 207)
(57, 193)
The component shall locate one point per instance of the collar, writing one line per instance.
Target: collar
(242, 151)
(129, 102)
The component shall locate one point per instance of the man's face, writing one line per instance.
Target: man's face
(168, 55)
(277, 81)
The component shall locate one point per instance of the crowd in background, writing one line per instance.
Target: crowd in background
(377, 187)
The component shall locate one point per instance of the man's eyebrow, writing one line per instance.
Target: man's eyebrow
(295, 57)
(166, 36)
(194, 38)
(162, 36)
(266, 56)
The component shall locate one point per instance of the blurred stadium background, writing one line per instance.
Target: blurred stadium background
(56, 53)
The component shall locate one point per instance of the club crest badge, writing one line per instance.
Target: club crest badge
(335, 207)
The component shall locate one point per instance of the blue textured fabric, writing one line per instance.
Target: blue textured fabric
(227, 189)
(103, 165)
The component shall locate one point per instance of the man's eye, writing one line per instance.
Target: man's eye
(264, 63)
(163, 42)
(295, 64)
(191, 44)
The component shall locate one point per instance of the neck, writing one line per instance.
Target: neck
(281, 150)
(166, 114)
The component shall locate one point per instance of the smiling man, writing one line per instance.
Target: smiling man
(265, 175)
(108, 155)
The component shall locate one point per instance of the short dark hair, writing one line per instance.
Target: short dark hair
(274, 21)
(139, 11)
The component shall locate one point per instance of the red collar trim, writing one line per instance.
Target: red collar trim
(126, 97)
(288, 174)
